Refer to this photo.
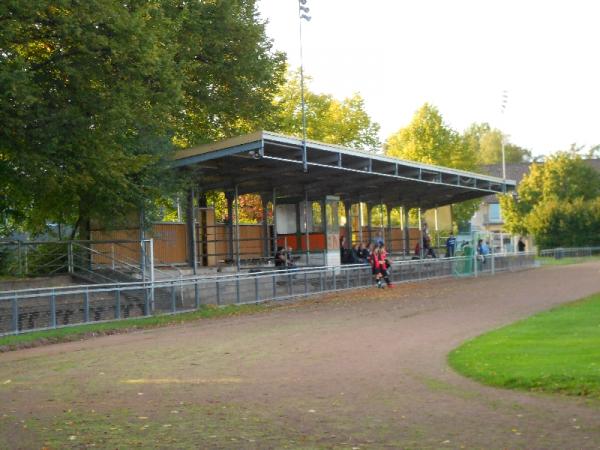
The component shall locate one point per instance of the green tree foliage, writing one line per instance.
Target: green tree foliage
(574, 223)
(486, 143)
(328, 120)
(94, 94)
(429, 140)
(557, 202)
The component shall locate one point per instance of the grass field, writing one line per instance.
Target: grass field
(554, 351)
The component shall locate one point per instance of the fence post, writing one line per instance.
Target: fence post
(86, 306)
(475, 261)
(19, 259)
(143, 260)
(173, 298)
(218, 293)
(112, 255)
(26, 259)
(53, 309)
(146, 300)
(15, 314)
(196, 295)
(290, 289)
(152, 280)
(237, 285)
(305, 283)
(70, 257)
(274, 286)
(118, 303)
(493, 262)
(256, 294)
(334, 279)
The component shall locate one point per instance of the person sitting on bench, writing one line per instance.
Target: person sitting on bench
(280, 258)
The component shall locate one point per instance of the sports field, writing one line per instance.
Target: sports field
(358, 370)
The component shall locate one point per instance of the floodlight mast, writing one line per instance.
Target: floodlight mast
(303, 11)
(502, 109)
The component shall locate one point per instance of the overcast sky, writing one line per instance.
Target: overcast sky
(458, 55)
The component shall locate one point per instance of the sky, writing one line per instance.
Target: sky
(458, 55)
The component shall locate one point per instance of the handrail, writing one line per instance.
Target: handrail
(110, 257)
(193, 279)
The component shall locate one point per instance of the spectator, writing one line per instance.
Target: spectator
(280, 258)
(485, 248)
(289, 259)
(450, 246)
(345, 257)
(482, 250)
(521, 244)
(427, 248)
(355, 255)
(379, 239)
(368, 252)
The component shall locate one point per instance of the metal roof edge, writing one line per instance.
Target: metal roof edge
(276, 137)
(263, 135)
(219, 145)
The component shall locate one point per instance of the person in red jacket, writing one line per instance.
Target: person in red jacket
(380, 265)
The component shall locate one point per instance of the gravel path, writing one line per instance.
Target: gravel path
(360, 370)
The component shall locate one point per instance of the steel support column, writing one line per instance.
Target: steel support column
(237, 228)
(420, 234)
(306, 226)
(406, 230)
(190, 222)
(370, 221)
(360, 222)
(274, 205)
(389, 239)
(265, 225)
(348, 208)
(229, 198)
(298, 227)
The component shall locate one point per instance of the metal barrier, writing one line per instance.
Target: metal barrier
(92, 260)
(571, 252)
(47, 308)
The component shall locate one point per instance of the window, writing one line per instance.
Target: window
(495, 215)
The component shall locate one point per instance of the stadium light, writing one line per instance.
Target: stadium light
(303, 15)
(503, 104)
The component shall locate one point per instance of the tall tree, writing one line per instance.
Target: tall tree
(428, 139)
(93, 95)
(555, 200)
(342, 122)
(486, 143)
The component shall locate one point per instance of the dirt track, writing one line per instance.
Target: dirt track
(348, 372)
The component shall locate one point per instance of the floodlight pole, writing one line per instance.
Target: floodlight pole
(502, 108)
(503, 161)
(302, 14)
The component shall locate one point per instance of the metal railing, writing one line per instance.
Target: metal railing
(95, 258)
(571, 252)
(47, 308)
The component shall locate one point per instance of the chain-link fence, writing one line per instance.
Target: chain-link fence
(45, 308)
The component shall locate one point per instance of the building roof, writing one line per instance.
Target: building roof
(263, 161)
